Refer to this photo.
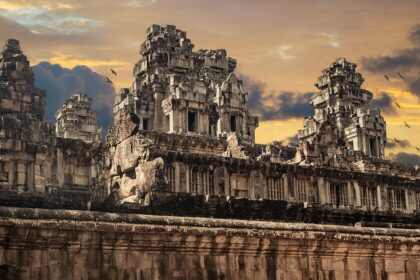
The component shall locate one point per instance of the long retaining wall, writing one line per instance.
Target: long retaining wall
(74, 244)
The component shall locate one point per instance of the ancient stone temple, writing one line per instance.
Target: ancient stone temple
(34, 158)
(180, 190)
(77, 120)
(177, 90)
(343, 104)
(164, 139)
(24, 135)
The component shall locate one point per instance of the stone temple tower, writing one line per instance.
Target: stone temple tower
(76, 119)
(177, 90)
(342, 103)
(24, 135)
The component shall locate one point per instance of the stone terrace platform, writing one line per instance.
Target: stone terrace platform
(75, 244)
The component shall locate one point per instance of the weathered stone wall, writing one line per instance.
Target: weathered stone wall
(64, 244)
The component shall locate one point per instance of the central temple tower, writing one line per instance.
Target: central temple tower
(177, 90)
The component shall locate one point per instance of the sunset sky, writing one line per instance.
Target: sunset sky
(281, 48)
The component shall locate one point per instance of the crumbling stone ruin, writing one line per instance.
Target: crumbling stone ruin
(24, 134)
(36, 157)
(343, 122)
(183, 131)
(77, 120)
(182, 148)
(188, 110)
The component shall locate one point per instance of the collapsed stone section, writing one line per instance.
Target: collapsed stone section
(343, 121)
(76, 119)
(177, 90)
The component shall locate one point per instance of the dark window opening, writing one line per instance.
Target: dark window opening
(131, 174)
(167, 123)
(290, 187)
(192, 121)
(372, 147)
(233, 123)
(145, 124)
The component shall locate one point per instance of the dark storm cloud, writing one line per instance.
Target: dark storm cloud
(60, 83)
(384, 102)
(400, 143)
(283, 105)
(415, 34)
(406, 61)
(403, 59)
(406, 158)
(414, 86)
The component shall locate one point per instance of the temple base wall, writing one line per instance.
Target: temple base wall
(73, 244)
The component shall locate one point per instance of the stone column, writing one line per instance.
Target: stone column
(177, 178)
(358, 200)
(322, 190)
(60, 168)
(408, 206)
(379, 196)
(350, 194)
(157, 112)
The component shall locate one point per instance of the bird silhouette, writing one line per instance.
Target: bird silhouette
(418, 149)
(108, 80)
(113, 72)
(401, 76)
(386, 77)
(397, 104)
(406, 124)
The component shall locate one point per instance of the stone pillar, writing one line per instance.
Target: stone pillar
(174, 121)
(60, 168)
(157, 112)
(350, 194)
(322, 190)
(187, 179)
(177, 177)
(358, 200)
(408, 206)
(11, 173)
(379, 196)
(227, 182)
(366, 147)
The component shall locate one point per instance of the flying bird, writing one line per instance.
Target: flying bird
(406, 124)
(401, 76)
(108, 80)
(386, 77)
(113, 72)
(418, 149)
(397, 104)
